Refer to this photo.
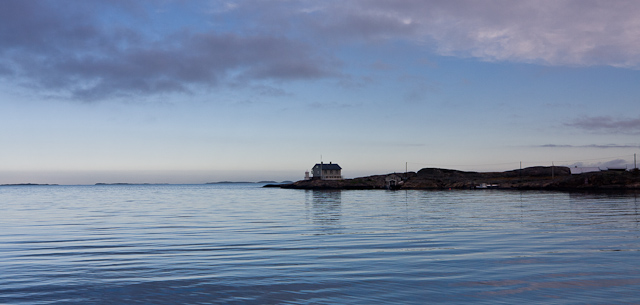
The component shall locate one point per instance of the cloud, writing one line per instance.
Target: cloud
(331, 105)
(607, 124)
(555, 146)
(617, 163)
(270, 91)
(590, 146)
(381, 66)
(197, 59)
(92, 50)
(549, 32)
(67, 51)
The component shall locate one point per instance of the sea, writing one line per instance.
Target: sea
(245, 244)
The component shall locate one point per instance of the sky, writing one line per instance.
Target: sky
(174, 91)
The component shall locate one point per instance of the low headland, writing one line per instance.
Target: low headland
(244, 182)
(25, 184)
(531, 178)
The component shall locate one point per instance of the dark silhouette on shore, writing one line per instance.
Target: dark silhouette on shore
(532, 178)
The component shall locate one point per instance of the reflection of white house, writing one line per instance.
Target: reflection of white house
(327, 171)
(581, 170)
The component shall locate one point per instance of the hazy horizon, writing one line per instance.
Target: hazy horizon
(202, 177)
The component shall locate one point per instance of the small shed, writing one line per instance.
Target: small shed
(393, 181)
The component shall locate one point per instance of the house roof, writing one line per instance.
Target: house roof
(330, 166)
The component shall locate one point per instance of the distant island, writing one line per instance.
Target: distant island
(220, 182)
(531, 178)
(259, 182)
(126, 183)
(25, 184)
(228, 182)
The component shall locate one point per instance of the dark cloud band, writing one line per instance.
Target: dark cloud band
(91, 50)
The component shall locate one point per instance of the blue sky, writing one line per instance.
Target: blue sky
(198, 91)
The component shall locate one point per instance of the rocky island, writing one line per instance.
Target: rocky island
(531, 178)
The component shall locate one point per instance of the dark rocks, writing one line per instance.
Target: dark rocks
(363, 183)
(539, 177)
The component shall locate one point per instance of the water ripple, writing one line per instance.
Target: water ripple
(238, 244)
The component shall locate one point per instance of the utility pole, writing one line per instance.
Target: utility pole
(634, 161)
(552, 173)
(520, 171)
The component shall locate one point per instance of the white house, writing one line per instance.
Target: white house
(329, 171)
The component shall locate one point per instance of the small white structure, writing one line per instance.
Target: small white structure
(581, 170)
(393, 181)
(329, 171)
(487, 186)
(306, 175)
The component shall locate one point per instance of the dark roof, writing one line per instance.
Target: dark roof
(330, 166)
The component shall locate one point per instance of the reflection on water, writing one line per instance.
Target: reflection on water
(241, 244)
(323, 207)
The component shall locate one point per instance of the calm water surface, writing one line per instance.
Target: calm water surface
(242, 244)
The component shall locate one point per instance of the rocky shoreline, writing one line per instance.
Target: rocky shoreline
(531, 178)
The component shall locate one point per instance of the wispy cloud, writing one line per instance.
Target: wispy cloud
(617, 163)
(607, 124)
(555, 146)
(605, 146)
(550, 32)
